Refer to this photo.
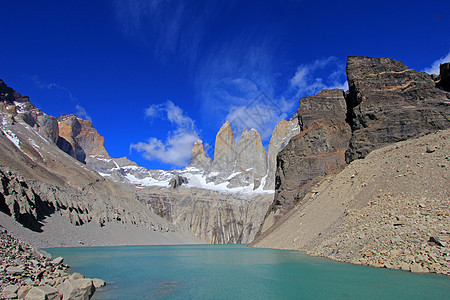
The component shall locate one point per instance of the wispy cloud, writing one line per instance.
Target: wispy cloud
(434, 68)
(170, 27)
(307, 82)
(176, 149)
(80, 111)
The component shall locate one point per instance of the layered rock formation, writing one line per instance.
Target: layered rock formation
(317, 151)
(387, 103)
(199, 159)
(251, 155)
(79, 139)
(213, 216)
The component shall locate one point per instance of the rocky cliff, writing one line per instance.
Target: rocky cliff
(281, 135)
(387, 103)
(213, 216)
(317, 151)
(79, 139)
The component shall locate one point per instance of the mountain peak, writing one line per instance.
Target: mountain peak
(199, 159)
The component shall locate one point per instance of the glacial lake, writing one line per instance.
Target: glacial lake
(238, 272)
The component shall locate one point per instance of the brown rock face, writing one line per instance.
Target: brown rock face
(387, 103)
(281, 136)
(317, 151)
(224, 149)
(79, 139)
(199, 159)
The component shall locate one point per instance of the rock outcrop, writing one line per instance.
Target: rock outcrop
(79, 139)
(444, 77)
(317, 151)
(199, 159)
(224, 150)
(281, 136)
(387, 103)
(16, 105)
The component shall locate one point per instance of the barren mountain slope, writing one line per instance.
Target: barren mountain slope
(390, 209)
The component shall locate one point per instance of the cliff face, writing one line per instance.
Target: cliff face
(212, 216)
(251, 155)
(317, 151)
(387, 103)
(281, 136)
(224, 150)
(79, 139)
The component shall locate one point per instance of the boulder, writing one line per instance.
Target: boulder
(388, 103)
(98, 283)
(82, 289)
(178, 181)
(14, 270)
(44, 292)
(57, 261)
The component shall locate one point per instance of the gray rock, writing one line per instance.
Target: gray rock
(98, 283)
(14, 270)
(199, 159)
(43, 292)
(76, 289)
(76, 276)
(57, 261)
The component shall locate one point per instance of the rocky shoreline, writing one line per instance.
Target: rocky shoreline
(28, 273)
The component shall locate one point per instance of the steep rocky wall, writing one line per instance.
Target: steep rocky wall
(215, 217)
(317, 151)
(387, 103)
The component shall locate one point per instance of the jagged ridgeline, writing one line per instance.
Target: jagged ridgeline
(59, 166)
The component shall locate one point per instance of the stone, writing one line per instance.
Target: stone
(14, 270)
(23, 291)
(43, 292)
(98, 283)
(388, 103)
(444, 77)
(417, 268)
(57, 261)
(435, 240)
(77, 289)
(199, 159)
(75, 276)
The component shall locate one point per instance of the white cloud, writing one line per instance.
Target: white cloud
(176, 149)
(306, 81)
(434, 68)
(81, 112)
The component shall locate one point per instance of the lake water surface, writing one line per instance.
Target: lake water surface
(237, 272)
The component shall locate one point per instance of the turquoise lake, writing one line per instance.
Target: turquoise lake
(238, 272)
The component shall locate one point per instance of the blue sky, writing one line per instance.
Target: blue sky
(154, 76)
